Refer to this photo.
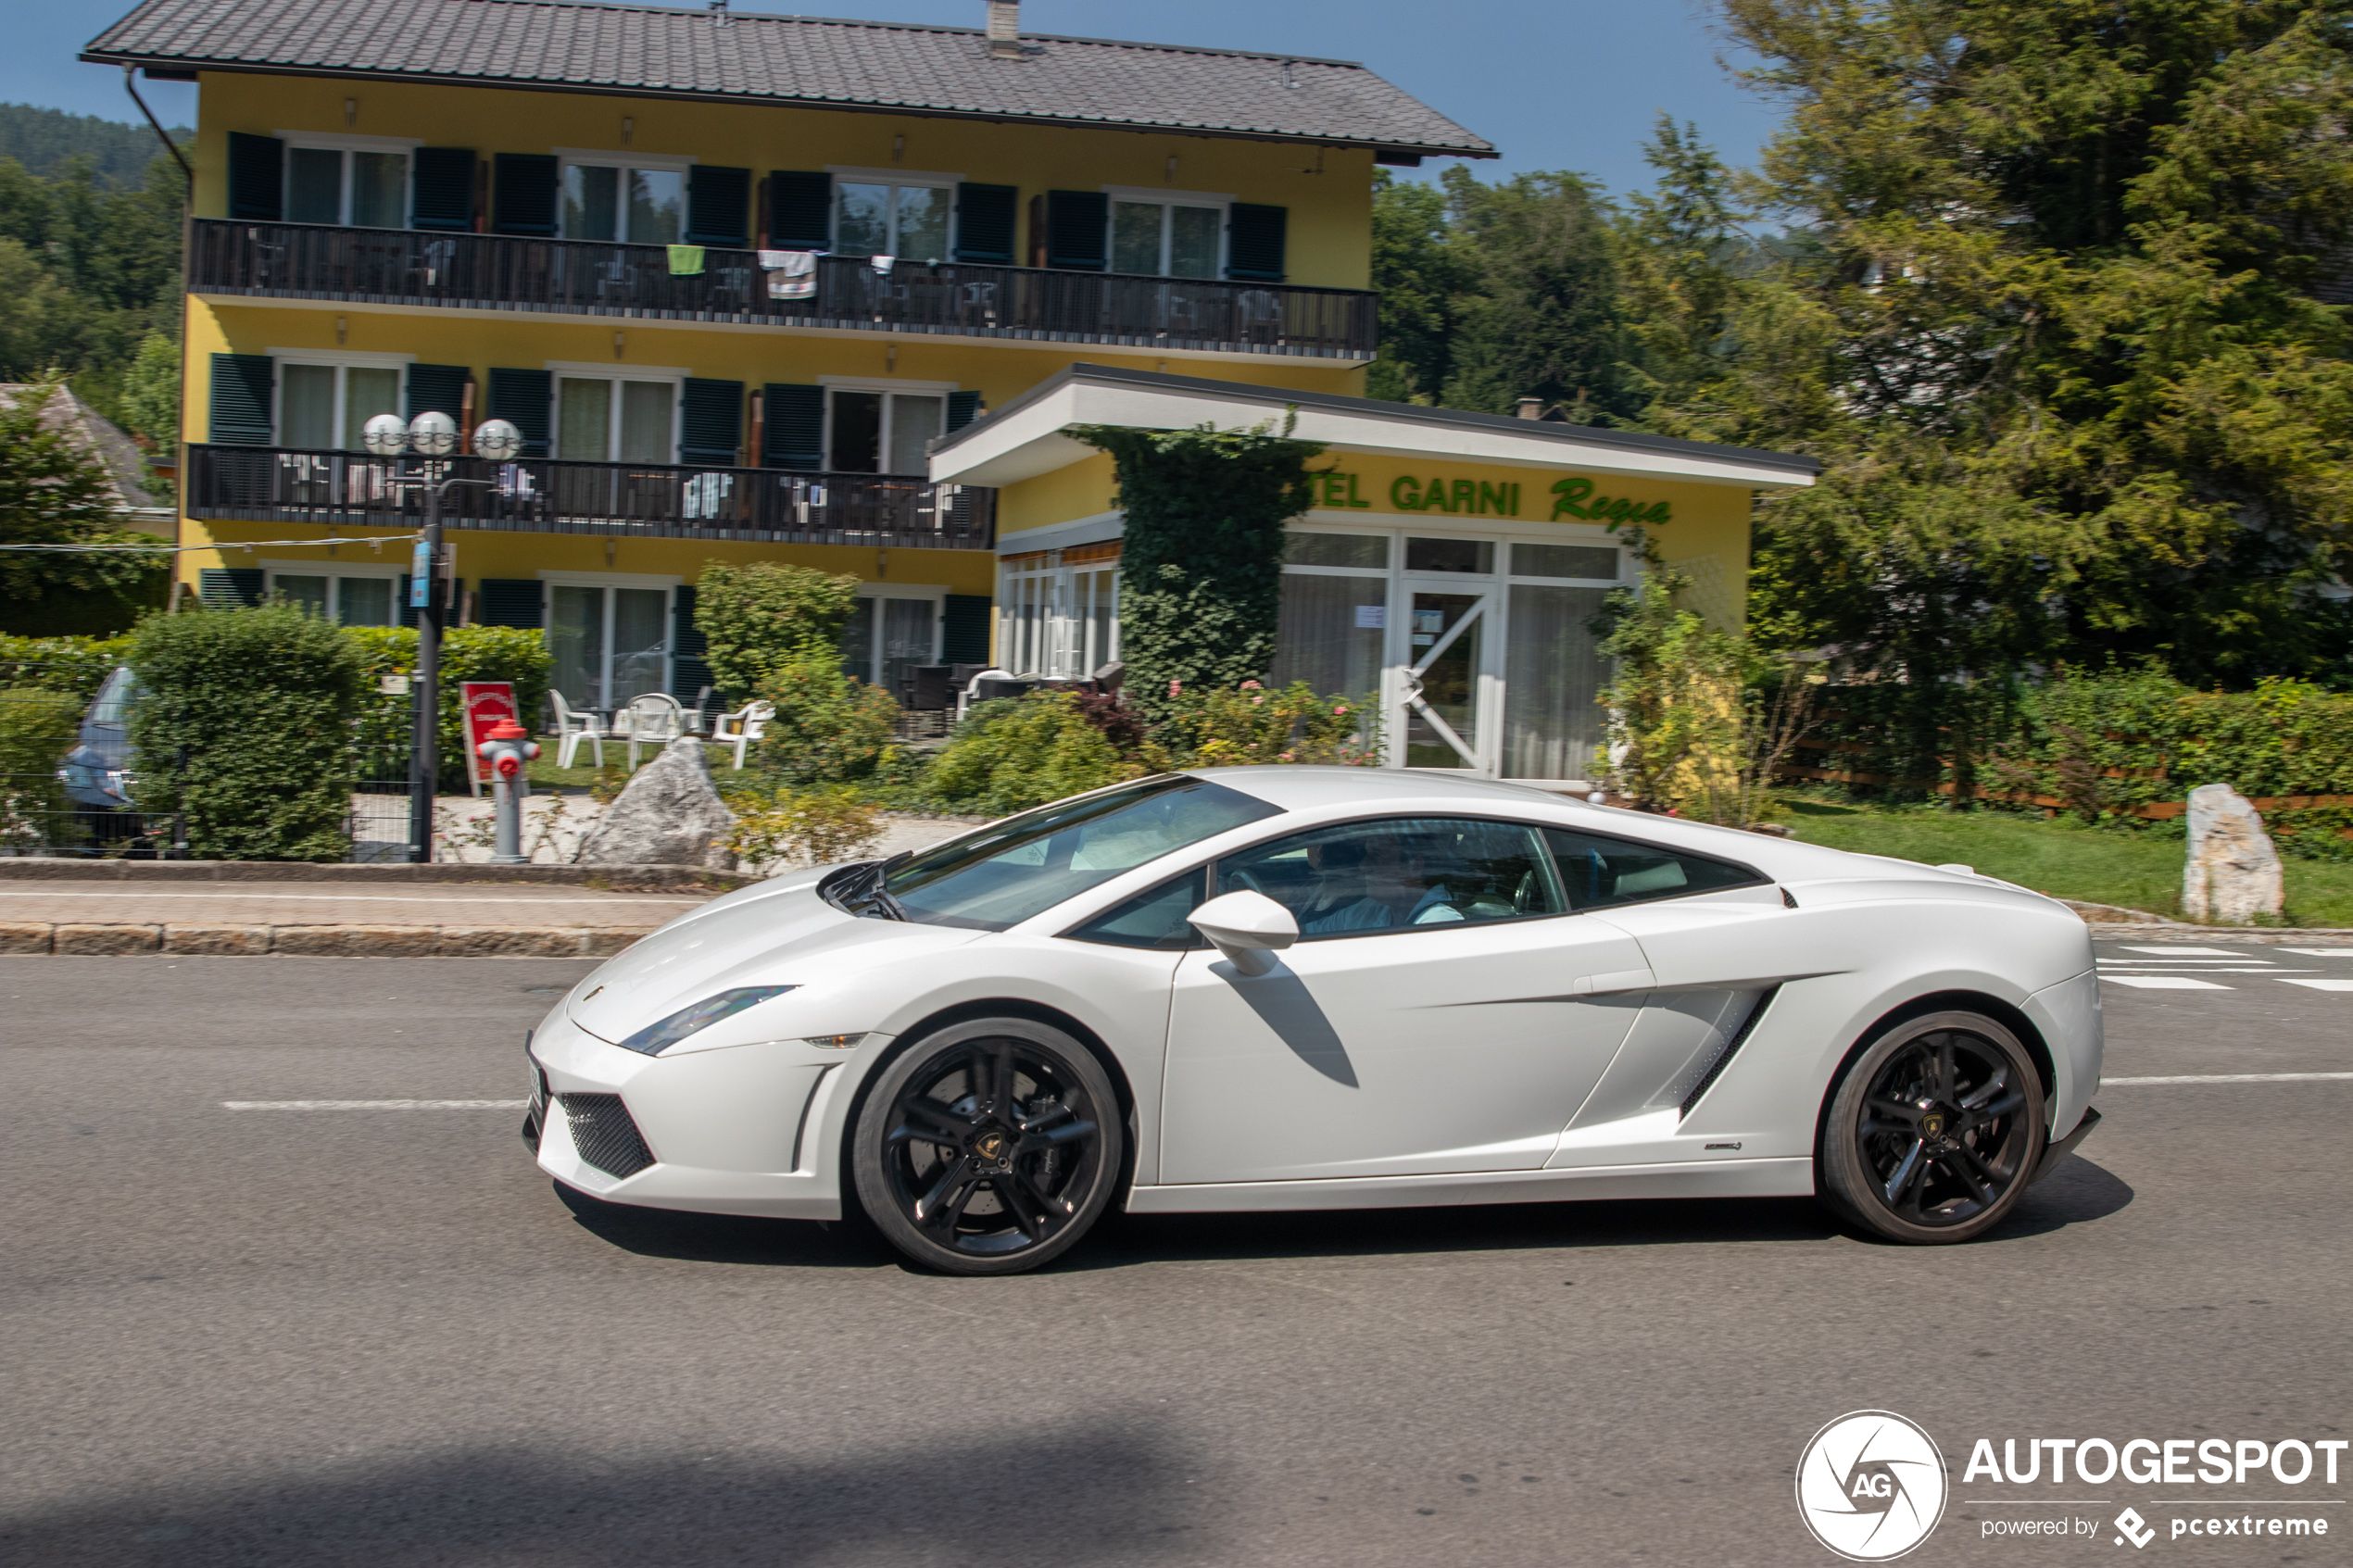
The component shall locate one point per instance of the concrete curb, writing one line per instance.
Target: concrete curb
(2259, 935)
(614, 879)
(79, 939)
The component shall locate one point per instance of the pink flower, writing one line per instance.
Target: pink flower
(1252, 686)
(1174, 687)
(1341, 710)
(1258, 699)
(1287, 757)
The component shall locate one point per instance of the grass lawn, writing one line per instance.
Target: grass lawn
(2062, 858)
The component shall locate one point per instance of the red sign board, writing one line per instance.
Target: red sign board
(488, 704)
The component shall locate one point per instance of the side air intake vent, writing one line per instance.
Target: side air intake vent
(604, 1136)
(1714, 1069)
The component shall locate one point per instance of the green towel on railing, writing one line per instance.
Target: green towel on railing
(686, 261)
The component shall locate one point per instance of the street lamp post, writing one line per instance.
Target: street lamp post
(429, 434)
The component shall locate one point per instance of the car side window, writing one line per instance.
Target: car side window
(1152, 918)
(1597, 872)
(1398, 873)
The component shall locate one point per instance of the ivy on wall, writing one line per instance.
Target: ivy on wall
(1201, 568)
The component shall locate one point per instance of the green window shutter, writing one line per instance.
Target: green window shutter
(235, 587)
(800, 210)
(689, 673)
(985, 222)
(520, 398)
(256, 178)
(241, 399)
(437, 389)
(717, 200)
(511, 601)
(963, 408)
(524, 186)
(1255, 241)
(443, 188)
(711, 422)
(794, 435)
(963, 628)
(1076, 230)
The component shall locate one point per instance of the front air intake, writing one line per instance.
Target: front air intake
(604, 1135)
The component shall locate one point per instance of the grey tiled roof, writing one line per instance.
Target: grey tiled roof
(802, 60)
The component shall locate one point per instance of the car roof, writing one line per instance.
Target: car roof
(1296, 787)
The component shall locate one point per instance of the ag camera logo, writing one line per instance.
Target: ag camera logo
(1871, 1486)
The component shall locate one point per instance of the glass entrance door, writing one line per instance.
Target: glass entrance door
(609, 644)
(1442, 687)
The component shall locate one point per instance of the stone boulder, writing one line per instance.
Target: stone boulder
(2232, 875)
(670, 814)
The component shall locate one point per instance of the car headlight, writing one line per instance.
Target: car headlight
(657, 1037)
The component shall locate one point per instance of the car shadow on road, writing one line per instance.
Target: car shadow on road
(1119, 1486)
(726, 1238)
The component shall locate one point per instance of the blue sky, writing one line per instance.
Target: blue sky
(1554, 83)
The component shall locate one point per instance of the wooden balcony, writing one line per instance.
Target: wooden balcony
(282, 484)
(399, 266)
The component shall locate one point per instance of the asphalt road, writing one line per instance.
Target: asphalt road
(262, 1337)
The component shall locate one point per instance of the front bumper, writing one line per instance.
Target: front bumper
(746, 1130)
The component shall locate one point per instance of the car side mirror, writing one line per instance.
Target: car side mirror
(1248, 928)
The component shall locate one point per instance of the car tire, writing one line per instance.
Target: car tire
(1936, 1131)
(988, 1147)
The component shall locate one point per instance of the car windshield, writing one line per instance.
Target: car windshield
(1024, 865)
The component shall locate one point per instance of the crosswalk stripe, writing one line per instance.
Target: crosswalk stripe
(2226, 1078)
(2163, 982)
(2317, 984)
(373, 1104)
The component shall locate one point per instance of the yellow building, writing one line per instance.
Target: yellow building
(767, 288)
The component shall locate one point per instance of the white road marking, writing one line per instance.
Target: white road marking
(2228, 1078)
(2317, 985)
(2163, 982)
(2322, 952)
(2217, 969)
(2187, 952)
(373, 1104)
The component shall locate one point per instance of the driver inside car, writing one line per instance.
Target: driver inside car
(1371, 884)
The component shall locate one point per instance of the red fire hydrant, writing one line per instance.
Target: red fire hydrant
(508, 747)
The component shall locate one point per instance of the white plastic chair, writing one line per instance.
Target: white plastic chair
(574, 728)
(652, 718)
(742, 727)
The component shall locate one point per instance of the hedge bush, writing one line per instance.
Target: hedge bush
(1017, 752)
(79, 665)
(755, 618)
(468, 653)
(828, 728)
(263, 701)
(37, 728)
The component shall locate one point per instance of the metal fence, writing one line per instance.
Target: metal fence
(615, 500)
(957, 299)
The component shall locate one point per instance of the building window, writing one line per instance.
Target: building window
(352, 186)
(888, 631)
(326, 404)
(1059, 617)
(872, 430)
(624, 202)
(615, 419)
(872, 217)
(346, 598)
(609, 642)
(1166, 239)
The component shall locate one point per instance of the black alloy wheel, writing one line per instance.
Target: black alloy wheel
(1936, 1131)
(988, 1147)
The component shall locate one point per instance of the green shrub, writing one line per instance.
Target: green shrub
(1230, 726)
(77, 665)
(37, 728)
(756, 618)
(263, 701)
(468, 653)
(1018, 752)
(828, 728)
(809, 827)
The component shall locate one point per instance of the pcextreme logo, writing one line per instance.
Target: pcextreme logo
(1870, 1486)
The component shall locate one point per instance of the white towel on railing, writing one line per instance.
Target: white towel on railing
(792, 274)
(881, 264)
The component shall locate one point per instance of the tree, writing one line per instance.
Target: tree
(55, 491)
(1422, 276)
(151, 393)
(1542, 319)
(758, 618)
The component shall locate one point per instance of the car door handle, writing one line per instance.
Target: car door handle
(1613, 980)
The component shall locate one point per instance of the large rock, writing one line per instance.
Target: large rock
(669, 815)
(2233, 876)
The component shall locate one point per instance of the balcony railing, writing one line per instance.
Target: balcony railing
(615, 500)
(959, 299)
